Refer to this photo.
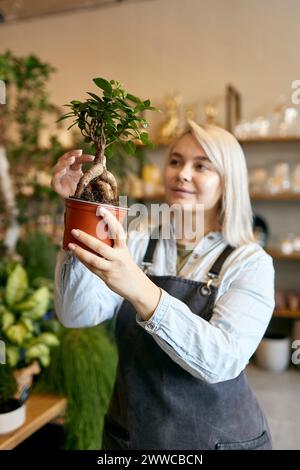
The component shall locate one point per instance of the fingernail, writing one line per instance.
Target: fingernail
(71, 246)
(101, 211)
(75, 232)
(92, 156)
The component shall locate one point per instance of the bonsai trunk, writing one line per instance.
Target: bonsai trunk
(98, 184)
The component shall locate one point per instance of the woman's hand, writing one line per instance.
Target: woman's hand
(116, 267)
(67, 172)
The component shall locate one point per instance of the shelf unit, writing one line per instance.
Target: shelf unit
(286, 196)
(270, 139)
(285, 313)
(279, 255)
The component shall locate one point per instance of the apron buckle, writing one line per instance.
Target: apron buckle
(206, 290)
(145, 265)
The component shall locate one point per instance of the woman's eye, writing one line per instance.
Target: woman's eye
(201, 167)
(174, 162)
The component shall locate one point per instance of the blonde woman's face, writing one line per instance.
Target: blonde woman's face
(190, 177)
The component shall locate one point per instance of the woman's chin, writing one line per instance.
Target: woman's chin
(181, 199)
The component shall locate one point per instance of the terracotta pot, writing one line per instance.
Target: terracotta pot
(82, 215)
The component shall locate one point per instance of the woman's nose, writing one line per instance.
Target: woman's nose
(184, 175)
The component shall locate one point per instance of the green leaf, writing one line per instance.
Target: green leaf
(145, 138)
(17, 285)
(97, 98)
(130, 147)
(8, 319)
(147, 103)
(12, 354)
(133, 98)
(41, 299)
(109, 151)
(104, 85)
(49, 339)
(17, 333)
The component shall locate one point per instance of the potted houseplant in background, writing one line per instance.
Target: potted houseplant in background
(105, 122)
(28, 338)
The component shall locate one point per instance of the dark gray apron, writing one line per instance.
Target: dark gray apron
(158, 405)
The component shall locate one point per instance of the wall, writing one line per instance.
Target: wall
(157, 46)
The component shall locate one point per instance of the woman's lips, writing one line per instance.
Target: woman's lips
(182, 192)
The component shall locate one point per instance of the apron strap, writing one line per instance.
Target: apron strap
(216, 267)
(148, 258)
(214, 270)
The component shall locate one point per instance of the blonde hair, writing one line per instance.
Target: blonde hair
(226, 154)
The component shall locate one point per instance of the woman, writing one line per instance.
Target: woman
(186, 329)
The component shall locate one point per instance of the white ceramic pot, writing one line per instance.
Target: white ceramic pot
(12, 420)
(274, 353)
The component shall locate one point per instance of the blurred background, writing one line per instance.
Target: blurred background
(232, 63)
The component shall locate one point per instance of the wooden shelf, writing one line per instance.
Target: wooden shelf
(287, 313)
(40, 410)
(287, 196)
(270, 140)
(154, 198)
(277, 254)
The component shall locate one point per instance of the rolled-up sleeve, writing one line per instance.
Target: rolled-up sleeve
(81, 298)
(220, 349)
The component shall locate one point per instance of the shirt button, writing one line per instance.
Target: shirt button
(210, 237)
(150, 326)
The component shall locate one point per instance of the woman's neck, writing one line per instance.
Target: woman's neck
(210, 224)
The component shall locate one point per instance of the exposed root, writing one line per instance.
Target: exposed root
(110, 179)
(98, 185)
(105, 190)
(94, 172)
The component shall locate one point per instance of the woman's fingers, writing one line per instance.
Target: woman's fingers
(73, 160)
(94, 243)
(90, 260)
(116, 229)
(80, 160)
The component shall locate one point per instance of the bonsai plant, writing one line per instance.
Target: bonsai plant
(27, 336)
(105, 122)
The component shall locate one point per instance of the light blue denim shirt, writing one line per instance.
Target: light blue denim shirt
(212, 351)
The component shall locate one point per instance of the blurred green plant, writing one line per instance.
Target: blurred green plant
(26, 334)
(27, 105)
(82, 369)
(39, 253)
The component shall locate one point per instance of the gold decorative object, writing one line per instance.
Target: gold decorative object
(170, 128)
(151, 176)
(211, 113)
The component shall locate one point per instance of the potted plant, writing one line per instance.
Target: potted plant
(113, 119)
(28, 340)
